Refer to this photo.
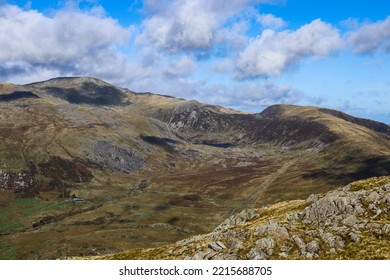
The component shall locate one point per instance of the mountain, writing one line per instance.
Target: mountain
(90, 168)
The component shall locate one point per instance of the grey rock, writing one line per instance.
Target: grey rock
(231, 256)
(283, 255)
(339, 242)
(340, 229)
(209, 254)
(235, 244)
(117, 158)
(378, 212)
(293, 216)
(220, 244)
(386, 229)
(349, 209)
(182, 250)
(256, 254)
(311, 232)
(387, 199)
(349, 220)
(328, 238)
(312, 198)
(240, 218)
(372, 197)
(308, 255)
(313, 247)
(272, 229)
(285, 249)
(215, 246)
(325, 208)
(358, 209)
(354, 237)
(266, 244)
(372, 207)
(373, 226)
(199, 256)
(299, 242)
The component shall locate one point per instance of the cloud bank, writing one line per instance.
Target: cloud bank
(274, 52)
(371, 38)
(70, 42)
(188, 25)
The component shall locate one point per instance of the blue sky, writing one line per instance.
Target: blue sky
(243, 54)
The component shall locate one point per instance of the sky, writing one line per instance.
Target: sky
(242, 54)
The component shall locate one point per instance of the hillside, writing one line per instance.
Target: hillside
(352, 222)
(90, 168)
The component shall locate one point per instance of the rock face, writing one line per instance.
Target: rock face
(331, 226)
(201, 123)
(117, 158)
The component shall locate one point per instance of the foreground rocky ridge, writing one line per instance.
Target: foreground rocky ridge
(352, 222)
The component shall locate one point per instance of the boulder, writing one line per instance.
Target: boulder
(267, 244)
(386, 229)
(272, 229)
(256, 254)
(373, 197)
(313, 247)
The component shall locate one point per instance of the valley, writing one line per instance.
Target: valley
(90, 169)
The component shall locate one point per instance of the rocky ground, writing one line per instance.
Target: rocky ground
(352, 222)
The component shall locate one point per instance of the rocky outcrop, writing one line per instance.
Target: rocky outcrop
(344, 224)
(203, 124)
(16, 181)
(117, 158)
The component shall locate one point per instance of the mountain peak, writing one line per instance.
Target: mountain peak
(82, 90)
(70, 82)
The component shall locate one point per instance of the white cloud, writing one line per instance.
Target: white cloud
(269, 93)
(241, 95)
(273, 52)
(371, 37)
(186, 24)
(70, 42)
(350, 23)
(271, 21)
(183, 67)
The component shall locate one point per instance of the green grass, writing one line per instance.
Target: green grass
(10, 226)
(21, 211)
(7, 251)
